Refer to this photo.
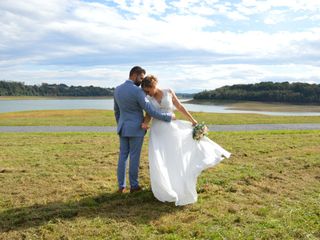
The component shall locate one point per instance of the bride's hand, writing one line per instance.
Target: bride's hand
(173, 117)
(145, 126)
(194, 122)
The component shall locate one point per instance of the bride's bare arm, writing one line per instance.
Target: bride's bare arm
(181, 108)
(146, 120)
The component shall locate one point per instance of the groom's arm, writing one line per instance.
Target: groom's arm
(149, 108)
(116, 110)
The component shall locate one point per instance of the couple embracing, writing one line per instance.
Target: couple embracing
(175, 158)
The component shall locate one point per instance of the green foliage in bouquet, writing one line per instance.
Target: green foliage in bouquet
(199, 131)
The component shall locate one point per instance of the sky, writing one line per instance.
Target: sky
(189, 45)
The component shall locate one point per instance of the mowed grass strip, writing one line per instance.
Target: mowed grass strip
(106, 118)
(58, 118)
(62, 186)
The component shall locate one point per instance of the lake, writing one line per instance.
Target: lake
(107, 104)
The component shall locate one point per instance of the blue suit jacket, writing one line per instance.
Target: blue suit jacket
(129, 103)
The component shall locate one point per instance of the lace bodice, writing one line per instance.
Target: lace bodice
(166, 104)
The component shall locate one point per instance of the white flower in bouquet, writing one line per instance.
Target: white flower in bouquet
(199, 131)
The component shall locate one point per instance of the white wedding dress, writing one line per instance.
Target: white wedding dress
(176, 159)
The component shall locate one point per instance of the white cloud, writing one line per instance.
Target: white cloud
(177, 76)
(106, 29)
(196, 44)
(236, 16)
(294, 5)
(275, 16)
(142, 7)
(203, 10)
(211, 76)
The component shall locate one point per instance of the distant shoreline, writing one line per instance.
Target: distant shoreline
(226, 102)
(258, 106)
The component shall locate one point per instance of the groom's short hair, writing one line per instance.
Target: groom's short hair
(138, 70)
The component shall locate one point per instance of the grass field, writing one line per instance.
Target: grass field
(62, 186)
(106, 118)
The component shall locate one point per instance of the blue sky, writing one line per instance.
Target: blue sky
(189, 45)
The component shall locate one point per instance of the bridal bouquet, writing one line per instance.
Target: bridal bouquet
(199, 131)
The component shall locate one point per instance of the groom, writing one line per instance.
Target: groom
(129, 103)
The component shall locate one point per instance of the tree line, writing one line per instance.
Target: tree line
(11, 88)
(286, 92)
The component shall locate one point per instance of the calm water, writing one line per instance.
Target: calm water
(107, 104)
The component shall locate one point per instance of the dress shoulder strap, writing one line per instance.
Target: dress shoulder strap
(166, 91)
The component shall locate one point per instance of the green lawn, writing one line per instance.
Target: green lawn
(106, 118)
(62, 186)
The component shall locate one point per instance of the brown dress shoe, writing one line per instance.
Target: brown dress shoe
(121, 190)
(138, 189)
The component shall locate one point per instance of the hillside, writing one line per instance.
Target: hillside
(10, 88)
(266, 92)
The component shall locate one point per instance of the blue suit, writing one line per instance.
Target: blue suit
(129, 103)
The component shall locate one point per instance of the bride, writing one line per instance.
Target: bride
(175, 158)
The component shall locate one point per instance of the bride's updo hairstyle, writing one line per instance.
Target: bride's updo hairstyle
(150, 81)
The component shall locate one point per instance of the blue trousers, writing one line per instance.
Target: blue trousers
(129, 146)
